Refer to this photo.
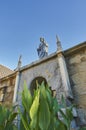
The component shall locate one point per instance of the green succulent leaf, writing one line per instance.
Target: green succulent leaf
(44, 114)
(34, 110)
(26, 98)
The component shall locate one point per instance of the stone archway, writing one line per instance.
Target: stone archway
(39, 80)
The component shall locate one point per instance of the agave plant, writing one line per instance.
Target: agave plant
(7, 117)
(66, 113)
(40, 111)
(83, 128)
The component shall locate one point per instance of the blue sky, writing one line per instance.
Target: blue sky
(23, 22)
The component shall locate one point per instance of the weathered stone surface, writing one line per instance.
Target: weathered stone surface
(79, 77)
(76, 64)
(82, 116)
(48, 70)
(7, 90)
(75, 59)
(76, 68)
(51, 71)
(1, 97)
(81, 88)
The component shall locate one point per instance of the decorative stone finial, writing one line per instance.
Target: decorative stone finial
(59, 47)
(43, 48)
(19, 62)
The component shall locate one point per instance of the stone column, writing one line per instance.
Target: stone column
(63, 70)
(17, 79)
(16, 87)
(64, 75)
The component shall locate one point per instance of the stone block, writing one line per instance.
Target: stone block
(1, 97)
(79, 78)
(75, 59)
(80, 88)
(82, 116)
(76, 68)
(9, 89)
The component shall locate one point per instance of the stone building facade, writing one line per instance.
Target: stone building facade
(64, 71)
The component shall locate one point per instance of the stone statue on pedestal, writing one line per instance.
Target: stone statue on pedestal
(43, 48)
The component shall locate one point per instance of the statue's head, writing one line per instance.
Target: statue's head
(42, 39)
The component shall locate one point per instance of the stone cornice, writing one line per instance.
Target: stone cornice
(8, 76)
(38, 62)
(54, 55)
(49, 57)
(75, 49)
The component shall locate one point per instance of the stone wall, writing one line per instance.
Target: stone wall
(48, 70)
(7, 90)
(76, 64)
(54, 72)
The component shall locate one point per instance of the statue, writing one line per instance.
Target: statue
(43, 48)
